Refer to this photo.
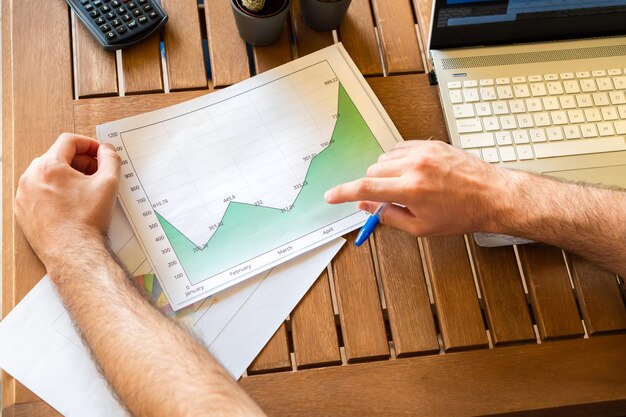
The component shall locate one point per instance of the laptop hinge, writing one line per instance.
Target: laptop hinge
(432, 77)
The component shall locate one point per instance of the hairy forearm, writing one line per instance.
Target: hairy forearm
(585, 220)
(155, 367)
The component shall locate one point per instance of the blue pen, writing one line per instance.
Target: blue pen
(370, 225)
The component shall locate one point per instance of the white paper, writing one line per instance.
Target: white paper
(40, 347)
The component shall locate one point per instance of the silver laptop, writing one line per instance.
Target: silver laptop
(538, 85)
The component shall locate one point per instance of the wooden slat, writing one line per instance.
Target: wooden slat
(142, 67)
(502, 291)
(599, 296)
(228, 53)
(566, 378)
(415, 118)
(183, 45)
(396, 29)
(33, 409)
(313, 328)
(274, 55)
(96, 72)
(406, 295)
(362, 325)
(307, 40)
(358, 35)
(275, 355)
(423, 11)
(550, 291)
(455, 295)
(37, 107)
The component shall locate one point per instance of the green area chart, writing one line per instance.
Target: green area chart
(248, 231)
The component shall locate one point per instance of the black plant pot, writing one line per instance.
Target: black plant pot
(324, 14)
(258, 29)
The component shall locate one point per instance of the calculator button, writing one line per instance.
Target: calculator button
(137, 12)
(100, 21)
(105, 9)
(147, 8)
(111, 35)
(105, 28)
(116, 22)
(116, 3)
(131, 6)
(142, 1)
(83, 2)
(121, 29)
(93, 14)
(89, 7)
(111, 15)
(132, 25)
(126, 17)
(142, 19)
(120, 10)
(153, 15)
(97, 3)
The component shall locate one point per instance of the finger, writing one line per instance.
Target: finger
(411, 143)
(109, 162)
(394, 216)
(389, 169)
(69, 145)
(85, 164)
(393, 154)
(377, 189)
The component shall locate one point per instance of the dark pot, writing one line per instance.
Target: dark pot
(259, 29)
(324, 14)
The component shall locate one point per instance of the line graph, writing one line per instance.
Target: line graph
(226, 186)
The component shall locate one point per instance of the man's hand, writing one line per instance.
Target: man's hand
(67, 195)
(444, 190)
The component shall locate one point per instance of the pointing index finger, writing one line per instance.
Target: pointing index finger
(374, 189)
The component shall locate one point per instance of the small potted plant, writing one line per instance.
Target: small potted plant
(260, 22)
(324, 14)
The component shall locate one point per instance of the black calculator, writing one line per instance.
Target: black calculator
(118, 24)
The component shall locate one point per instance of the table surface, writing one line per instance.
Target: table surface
(400, 324)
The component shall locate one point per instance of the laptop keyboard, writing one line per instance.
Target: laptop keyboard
(541, 116)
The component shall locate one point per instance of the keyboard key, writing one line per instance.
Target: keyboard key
(609, 113)
(620, 83)
(584, 100)
(454, 84)
(503, 81)
(503, 138)
(542, 119)
(617, 97)
(483, 109)
(487, 82)
(491, 155)
(538, 89)
(500, 107)
(462, 111)
(551, 77)
(550, 103)
(488, 93)
(558, 118)
(593, 115)
(507, 153)
(520, 136)
(598, 73)
(604, 84)
(583, 74)
(519, 80)
(567, 102)
(470, 83)
(534, 78)
(567, 75)
(555, 88)
(456, 97)
(533, 104)
(581, 147)
(537, 135)
(620, 127)
(525, 120)
(469, 126)
(517, 106)
(471, 95)
(622, 112)
(508, 122)
(576, 116)
(571, 87)
(505, 92)
(572, 132)
(555, 133)
(477, 140)
(615, 71)
(601, 99)
(524, 152)
(521, 91)
(588, 85)
(606, 129)
(589, 130)
(475, 152)
(491, 123)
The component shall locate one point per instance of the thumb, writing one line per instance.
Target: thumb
(109, 162)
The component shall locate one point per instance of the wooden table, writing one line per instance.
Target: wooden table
(400, 326)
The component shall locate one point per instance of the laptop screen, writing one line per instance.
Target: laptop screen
(460, 23)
